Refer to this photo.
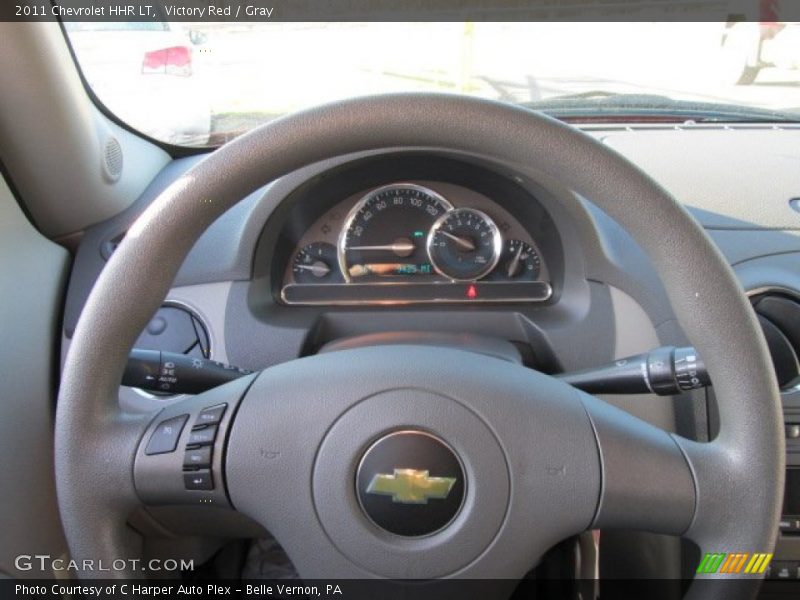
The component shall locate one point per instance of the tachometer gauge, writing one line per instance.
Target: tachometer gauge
(316, 263)
(384, 234)
(519, 262)
(464, 244)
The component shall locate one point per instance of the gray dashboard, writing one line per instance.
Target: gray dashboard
(740, 194)
(596, 255)
(744, 182)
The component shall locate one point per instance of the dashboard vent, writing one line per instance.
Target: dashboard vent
(174, 328)
(779, 315)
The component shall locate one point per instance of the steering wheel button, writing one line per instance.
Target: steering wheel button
(198, 480)
(165, 436)
(202, 437)
(211, 415)
(198, 457)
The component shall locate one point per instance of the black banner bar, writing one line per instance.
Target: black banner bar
(369, 589)
(253, 11)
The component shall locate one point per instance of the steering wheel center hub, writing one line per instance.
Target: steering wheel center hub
(387, 486)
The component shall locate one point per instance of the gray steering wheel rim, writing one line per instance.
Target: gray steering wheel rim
(733, 513)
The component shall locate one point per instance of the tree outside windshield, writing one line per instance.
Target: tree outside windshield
(201, 84)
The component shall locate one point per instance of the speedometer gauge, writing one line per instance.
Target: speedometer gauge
(384, 236)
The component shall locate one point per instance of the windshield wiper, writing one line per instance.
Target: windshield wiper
(605, 106)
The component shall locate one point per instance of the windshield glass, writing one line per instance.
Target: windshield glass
(201, 84)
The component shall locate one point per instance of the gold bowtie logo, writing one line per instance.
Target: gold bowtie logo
(411, 486)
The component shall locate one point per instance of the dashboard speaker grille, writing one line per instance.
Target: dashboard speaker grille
(112, 159)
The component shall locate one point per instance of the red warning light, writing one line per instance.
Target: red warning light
(472, 292)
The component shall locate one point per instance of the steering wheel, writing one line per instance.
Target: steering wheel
(409, 462)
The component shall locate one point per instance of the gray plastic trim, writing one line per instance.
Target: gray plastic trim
(481, 344)
(633, 496)
(56, 149)
(33, 274)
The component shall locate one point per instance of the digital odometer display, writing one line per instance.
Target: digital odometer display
(384, 237)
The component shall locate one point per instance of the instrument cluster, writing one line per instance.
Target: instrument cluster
(416, 242)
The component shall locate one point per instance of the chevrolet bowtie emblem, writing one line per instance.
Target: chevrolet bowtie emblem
(411, 486)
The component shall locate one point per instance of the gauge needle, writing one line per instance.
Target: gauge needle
(512, 266)
(465, 243)
(397, 247)
(318, 269)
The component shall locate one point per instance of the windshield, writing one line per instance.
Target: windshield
(201, 84)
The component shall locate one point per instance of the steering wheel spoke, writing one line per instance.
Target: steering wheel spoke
(180, 459)
(647, 481)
